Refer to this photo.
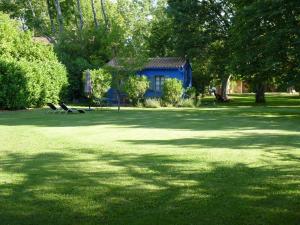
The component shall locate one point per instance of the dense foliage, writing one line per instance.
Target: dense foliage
(172, 91)
(30, 74)
(30, 83)
(101, 82)
(190, 92)
(152, 103)
(186, 103)
(86, 33)
(265, 39)
(257, 41)
(201, 31)
(136, 87)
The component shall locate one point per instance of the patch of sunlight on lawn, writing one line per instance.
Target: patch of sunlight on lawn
(217, 165)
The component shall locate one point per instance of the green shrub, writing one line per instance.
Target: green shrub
(17, 44)
(152, 103)
(139, 105)
(186, 103)
(198, 101)
(24, 84)
(135, 87)
(168, 105)
(75, 67)
(30, 73)
(79, 51)
(172, 91)
(101, 82)
(13, 84)
(190, 92)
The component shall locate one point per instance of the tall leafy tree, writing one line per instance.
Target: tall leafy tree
(50, 14)
(161, 39)
(201, 29)
(79, 9)
(104, 13)
(94, 14)
(123, 26)
(266, 41)
(59, 14)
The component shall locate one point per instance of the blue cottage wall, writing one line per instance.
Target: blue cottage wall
(167, 73)
(184, 74)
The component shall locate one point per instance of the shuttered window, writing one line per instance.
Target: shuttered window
(159, 83)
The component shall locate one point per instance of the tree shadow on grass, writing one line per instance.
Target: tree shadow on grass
(54, 188)
(238, 142)
(230, 118)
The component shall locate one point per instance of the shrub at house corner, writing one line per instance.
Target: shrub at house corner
(30, 73)
(172, 91)
(136, 87)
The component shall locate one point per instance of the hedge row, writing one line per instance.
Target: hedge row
(30, 73)
(26, 84)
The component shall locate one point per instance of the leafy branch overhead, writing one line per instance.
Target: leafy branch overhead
(257, 41)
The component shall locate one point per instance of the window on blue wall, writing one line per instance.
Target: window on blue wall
(159, 83)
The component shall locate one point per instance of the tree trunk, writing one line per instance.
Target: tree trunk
(80, 15)
(60, 18)
(53, 29)
(260, 93)
(224, 87)
(94, 14)
(119, 100)
(104, 13)
(75, 18)
(31, 8)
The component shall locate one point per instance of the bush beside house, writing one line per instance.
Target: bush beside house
(152, 103)
(186, 103)
(135, 87)
(172, 91)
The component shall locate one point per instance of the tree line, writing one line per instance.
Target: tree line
(256, 40)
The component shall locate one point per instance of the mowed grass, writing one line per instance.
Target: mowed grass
(218, 164)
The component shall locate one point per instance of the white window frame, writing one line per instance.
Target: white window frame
(159, 82)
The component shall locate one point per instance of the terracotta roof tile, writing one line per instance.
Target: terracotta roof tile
(167, 62)
(157, 63)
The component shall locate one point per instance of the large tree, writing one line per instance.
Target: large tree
(266, 41)
(94, 14)
(201, 30)
(60, 18)
(161, 39)
(79, 11)
(103, 9)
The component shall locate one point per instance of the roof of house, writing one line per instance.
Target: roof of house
(167, 62)
(157, 63)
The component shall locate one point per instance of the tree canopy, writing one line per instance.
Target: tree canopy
(266, 41)
(257, 41)
(30, 73)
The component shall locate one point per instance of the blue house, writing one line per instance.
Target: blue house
(158, 69)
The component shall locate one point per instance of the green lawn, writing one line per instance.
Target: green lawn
(218, 164)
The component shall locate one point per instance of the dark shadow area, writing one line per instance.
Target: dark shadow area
(242, 142)
(273, 99)
(226, 118)
(87, 186)
(59, 189)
